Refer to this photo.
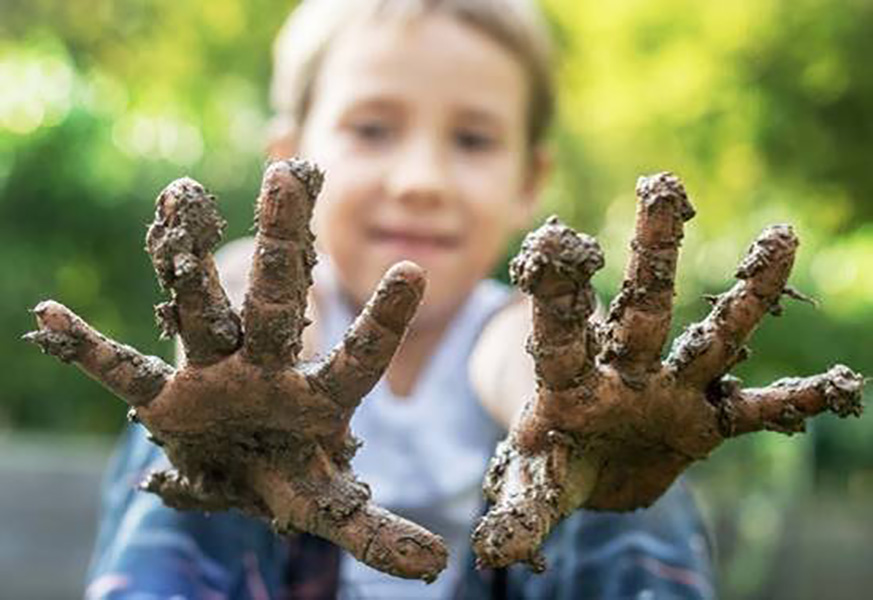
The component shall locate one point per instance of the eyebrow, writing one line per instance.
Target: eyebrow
(486, 117)
(371, 102)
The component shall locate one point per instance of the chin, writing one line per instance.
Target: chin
(442, 299)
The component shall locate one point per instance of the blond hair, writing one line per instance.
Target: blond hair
(308, 32)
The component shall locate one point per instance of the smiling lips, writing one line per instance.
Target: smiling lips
(409, 241)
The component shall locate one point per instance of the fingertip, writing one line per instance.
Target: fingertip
(185, 208)
(398, 295)
(845, 391)
(288, 192)
(658, 185)
(410, 274)
(175, 192)
(51, 314)
(504, 537)
(555, 253)
(783, 233)
(772, 251)
(277, 173)
(407, 550)
(304, 172)
(43, 306)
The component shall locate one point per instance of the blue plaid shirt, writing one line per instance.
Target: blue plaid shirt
(147, 551)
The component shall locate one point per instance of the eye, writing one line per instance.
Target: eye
(371, 131)
(474, 141)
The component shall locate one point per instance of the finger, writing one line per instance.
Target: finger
(391, 544)
(357, 363)
(785, 405)
(639, 317)
(708, 349)
(179, 492)
(339, 510)
(530, 494)
(555, 266)
(180, 241)
(274, 306)
(135, 378)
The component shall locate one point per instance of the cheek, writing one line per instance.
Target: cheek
(496, 201)
(339, 214)
(346, 195)
(496, 177)
(334, 217)
(490, 231)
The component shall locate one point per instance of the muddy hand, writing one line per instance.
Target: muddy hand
(243, 422)
(612, 425)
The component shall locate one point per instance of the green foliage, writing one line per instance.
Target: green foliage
(762, 106)
(102, 106)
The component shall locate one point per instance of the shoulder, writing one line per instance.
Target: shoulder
(508, 325)
(501, 372)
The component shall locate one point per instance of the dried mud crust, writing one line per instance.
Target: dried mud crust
(612, 424)
(247, 426)
(243, 422)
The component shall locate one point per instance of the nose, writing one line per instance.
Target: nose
(420, 176)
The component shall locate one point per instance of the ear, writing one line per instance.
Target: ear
(283, 139)
(538, 168)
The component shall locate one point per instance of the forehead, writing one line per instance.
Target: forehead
(430, 60)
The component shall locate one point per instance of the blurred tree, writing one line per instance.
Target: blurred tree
(104, 103)
(762, 106)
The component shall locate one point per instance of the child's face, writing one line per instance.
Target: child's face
(421, 129)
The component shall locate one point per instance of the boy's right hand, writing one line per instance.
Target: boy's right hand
(243, 423)
(611, 426)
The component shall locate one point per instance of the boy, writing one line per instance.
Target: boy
(428, 118)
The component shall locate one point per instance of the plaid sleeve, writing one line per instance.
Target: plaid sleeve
(148, 551)
(659, 553)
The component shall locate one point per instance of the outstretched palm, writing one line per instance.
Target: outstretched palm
(612, 425)
(243, 423)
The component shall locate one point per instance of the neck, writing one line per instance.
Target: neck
(412, 357)
(419, 344)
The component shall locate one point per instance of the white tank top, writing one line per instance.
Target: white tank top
(424, 455)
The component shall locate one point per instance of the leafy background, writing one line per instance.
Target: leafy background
(764, 107)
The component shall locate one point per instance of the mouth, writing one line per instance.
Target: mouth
(414, 241)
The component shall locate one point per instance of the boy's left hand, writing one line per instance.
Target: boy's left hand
(612, 425)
